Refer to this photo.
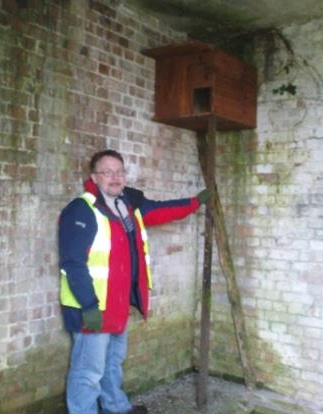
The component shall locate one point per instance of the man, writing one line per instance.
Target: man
(104, 261)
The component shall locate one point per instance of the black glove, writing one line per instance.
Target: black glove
(204, 196)
(92, 319)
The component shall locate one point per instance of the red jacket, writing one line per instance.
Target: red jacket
(75, 241)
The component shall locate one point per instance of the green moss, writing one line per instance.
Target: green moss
(282, 408)
(224, 359)
(34, 382)
(239, 158)
(52, 405)
(262, 410)
(158, 351)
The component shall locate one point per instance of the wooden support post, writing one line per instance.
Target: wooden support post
(207, 268)
(226, 262)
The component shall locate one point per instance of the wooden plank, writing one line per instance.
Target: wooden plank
(207, 269)
(226, 262)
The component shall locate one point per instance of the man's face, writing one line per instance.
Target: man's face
(109, 175)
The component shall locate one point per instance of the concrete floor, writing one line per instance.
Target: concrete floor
(179, 397)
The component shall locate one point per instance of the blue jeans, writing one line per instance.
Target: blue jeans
(95, 374)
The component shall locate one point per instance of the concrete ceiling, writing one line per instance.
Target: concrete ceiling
(211, 20)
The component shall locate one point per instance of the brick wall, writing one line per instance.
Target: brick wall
(271, 186)
(73, 81)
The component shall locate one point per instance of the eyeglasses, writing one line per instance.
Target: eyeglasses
(111, 173)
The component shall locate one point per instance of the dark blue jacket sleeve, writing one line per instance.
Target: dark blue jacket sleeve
(77, 229)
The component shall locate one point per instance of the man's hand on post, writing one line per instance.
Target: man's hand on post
(204, 196)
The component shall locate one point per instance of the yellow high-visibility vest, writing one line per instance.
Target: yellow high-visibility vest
(144, 237)
(98, 258)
